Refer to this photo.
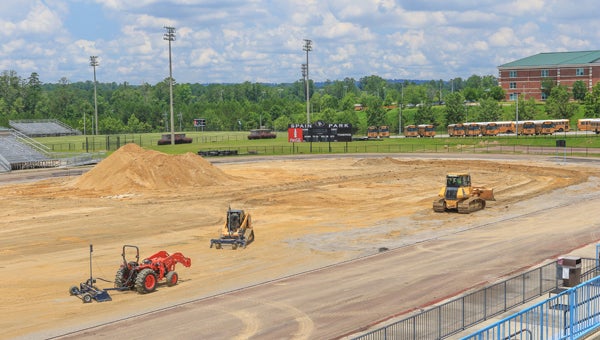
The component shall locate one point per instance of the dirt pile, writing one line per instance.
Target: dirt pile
(131, 169)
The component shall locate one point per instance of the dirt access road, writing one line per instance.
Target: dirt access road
(308, 214)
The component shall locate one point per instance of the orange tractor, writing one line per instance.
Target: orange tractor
(144, 276)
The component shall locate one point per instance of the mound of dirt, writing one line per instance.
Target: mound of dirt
(132, 168)
(375, 161)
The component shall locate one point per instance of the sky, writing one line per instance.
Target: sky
(234, 41)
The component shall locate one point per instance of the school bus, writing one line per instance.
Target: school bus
(506, 127)
(426, 130)
(547, 127)
(372, 132)
(527, 128)
(588, 124)
(560, 125)
(489, 128)
(595, 126)
(411, 131)
(473, 129)
(456, 130)
(384, 131)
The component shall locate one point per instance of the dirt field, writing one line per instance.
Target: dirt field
(307, 213)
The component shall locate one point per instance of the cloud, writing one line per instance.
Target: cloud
(238, 40)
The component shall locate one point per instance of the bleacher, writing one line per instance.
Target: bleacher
(43, 128)
(18, 152)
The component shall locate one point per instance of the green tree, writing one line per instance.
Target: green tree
(282, 123)
(497, 93)
(558, 105)
(547, 85)
(579, 90)
(373, 85)
(455, 111)
(490, 110)
(527, 109)
(375, 112)
(592, 102)
(424, 114)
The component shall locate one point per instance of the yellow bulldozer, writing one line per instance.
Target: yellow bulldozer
(237, 230)
(459, 195)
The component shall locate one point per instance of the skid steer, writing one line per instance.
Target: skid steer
(237, 230)
(459, 195)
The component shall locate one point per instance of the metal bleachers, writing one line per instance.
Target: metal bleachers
(18, 152)
(43, 128)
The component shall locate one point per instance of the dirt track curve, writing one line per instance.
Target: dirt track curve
(316, 269)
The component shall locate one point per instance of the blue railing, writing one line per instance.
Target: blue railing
(569, 315)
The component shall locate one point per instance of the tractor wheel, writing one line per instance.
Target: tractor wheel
(172, 278)
(121, 277)
(87, 298)
(250, 237)
(74, 290)
(146, 281)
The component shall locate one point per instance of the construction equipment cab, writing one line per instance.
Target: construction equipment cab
(461, 196)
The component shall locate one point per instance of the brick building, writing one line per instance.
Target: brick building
(524, 77)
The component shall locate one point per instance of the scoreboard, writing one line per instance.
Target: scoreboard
(320, 132)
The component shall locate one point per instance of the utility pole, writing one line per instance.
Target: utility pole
(400, 109)
(170, 36)
(307, 47)
(94, 63)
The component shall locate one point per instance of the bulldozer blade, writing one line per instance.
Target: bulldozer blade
(487, 194)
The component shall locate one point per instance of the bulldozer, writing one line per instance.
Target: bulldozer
(144, 276)
(459, 195)
(237, 230)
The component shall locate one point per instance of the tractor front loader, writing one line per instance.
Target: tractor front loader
(144, 276)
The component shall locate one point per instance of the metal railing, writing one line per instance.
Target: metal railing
(568, 315)
(470, 309)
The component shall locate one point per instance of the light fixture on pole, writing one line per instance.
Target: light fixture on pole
(94, 63)
(170, 36)
(307, 47)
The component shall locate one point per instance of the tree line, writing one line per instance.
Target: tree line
(126, 108)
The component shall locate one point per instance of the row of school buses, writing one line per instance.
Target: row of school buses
(525, 128)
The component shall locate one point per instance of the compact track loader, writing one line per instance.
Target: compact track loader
(237, 230)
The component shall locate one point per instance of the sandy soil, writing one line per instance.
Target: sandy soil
(307, 214)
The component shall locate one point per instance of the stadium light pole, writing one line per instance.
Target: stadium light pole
(517, 115)
(400, 109)
(170, 36)
(307, 47)
(304, 77)
(94, 63)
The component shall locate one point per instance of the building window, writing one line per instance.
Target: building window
(579, 72)
(513, 96)
(545, 73)
(512, 74)
(512, 85)
(544, 96)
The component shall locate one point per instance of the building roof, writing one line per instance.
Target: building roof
(556, 59)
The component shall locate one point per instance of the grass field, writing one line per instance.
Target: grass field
(205, 141)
